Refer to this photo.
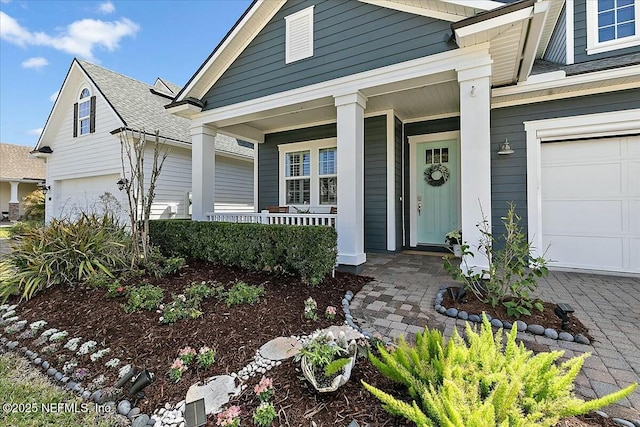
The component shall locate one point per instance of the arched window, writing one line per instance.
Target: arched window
(84, 113)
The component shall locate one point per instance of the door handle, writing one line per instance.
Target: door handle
(419, 207)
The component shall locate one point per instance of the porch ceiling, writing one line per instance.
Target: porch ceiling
(427, 96)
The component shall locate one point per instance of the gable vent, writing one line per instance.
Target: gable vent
(299, 35)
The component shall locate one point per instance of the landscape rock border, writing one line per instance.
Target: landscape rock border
(505, 324)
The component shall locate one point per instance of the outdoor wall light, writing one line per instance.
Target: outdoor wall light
(144, 379)
(563, 311)
(44, 188)
(126, 378)
(122, 182)
(505, 148)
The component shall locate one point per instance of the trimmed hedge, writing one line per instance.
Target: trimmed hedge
(309, 251)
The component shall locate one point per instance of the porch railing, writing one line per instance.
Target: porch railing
(266, 217)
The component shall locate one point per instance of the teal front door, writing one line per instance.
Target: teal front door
(437, 190)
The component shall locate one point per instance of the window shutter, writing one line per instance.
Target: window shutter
(92, 115)
(299, 35)
(75, 120)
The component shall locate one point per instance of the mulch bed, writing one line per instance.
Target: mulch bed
(547, 318)
(235, 333)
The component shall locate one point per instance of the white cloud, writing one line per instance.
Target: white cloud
(54, 96)
(106, 8)
(37, 62)
(79, 38)
(36, 132)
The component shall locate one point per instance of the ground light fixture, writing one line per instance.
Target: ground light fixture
(144, 379)
(126, 378)
(563, 311)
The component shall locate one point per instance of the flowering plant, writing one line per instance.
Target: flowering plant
(264, 414)
(310, 307)
(187, 355)
(206, 357)
(330, 312)
(177, 369)
(230, 417)
(80, 374)
(264, 389)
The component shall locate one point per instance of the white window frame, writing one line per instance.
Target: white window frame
(314, 148)
(80, 118)
(594, 46)
(308, 14)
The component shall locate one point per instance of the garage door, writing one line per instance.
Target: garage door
(83, 194)
(591, 203)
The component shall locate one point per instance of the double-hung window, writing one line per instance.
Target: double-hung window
(309, 173)
(84, 114)
(612, 24)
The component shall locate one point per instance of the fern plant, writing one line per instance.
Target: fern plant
(482, 382)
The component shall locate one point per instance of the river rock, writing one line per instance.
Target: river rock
(551, 333)
(565, 336)
(536, 329)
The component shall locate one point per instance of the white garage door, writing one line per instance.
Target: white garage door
(83, 194)
(591, 203)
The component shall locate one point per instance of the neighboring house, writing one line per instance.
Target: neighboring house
(20, 174)
(431, 114)
(81, 145)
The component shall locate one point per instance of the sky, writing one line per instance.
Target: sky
(142, 39)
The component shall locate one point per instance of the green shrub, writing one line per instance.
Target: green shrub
(180, 308)
(308, 251)
(34, 205)
(242, 293)
(160, 266)
(21, 228)
(511, 277)
(66, 252)
(146, 297)
(201, 291)
(482, 383)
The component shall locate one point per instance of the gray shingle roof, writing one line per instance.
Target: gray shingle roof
(541, 66)
(17, 163)
(141, 109)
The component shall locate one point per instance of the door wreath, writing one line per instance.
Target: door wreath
(436, 175)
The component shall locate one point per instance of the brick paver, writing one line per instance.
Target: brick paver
(608, 305)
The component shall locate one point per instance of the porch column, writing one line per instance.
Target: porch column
(203, 171)
(475, 156)
(14, 202)
(350, 225)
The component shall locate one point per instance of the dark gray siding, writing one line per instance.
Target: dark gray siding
(375, 179)
(421, 128)
(557, 48)
(268, 159)
(375, 184)
(580, 40)
(508, 173)
(350, 37)
(398, 184)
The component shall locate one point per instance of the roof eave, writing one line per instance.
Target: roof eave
(186, 108)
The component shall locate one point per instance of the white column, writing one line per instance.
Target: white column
(475, 156)
(14, 192)
(350, 128)
(203, 171)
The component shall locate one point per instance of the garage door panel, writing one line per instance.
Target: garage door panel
(590, 208)
(595, 253)
(581, 181)
(597, 150)
(81, 194)
(604, 216)
(634, 254)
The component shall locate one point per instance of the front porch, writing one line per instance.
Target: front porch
(283, 218)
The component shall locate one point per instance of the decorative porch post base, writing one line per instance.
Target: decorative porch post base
(14, 211)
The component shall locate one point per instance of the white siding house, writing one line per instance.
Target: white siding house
(81, 146)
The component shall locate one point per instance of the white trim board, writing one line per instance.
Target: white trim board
(413, 192)
(617, 123)
(457, 59)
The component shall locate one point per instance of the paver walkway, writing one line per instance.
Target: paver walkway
(401, 301)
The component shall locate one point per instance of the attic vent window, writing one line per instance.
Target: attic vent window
(299, 35)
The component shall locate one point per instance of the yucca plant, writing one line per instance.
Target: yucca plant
(481, 382)
(66, 252)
